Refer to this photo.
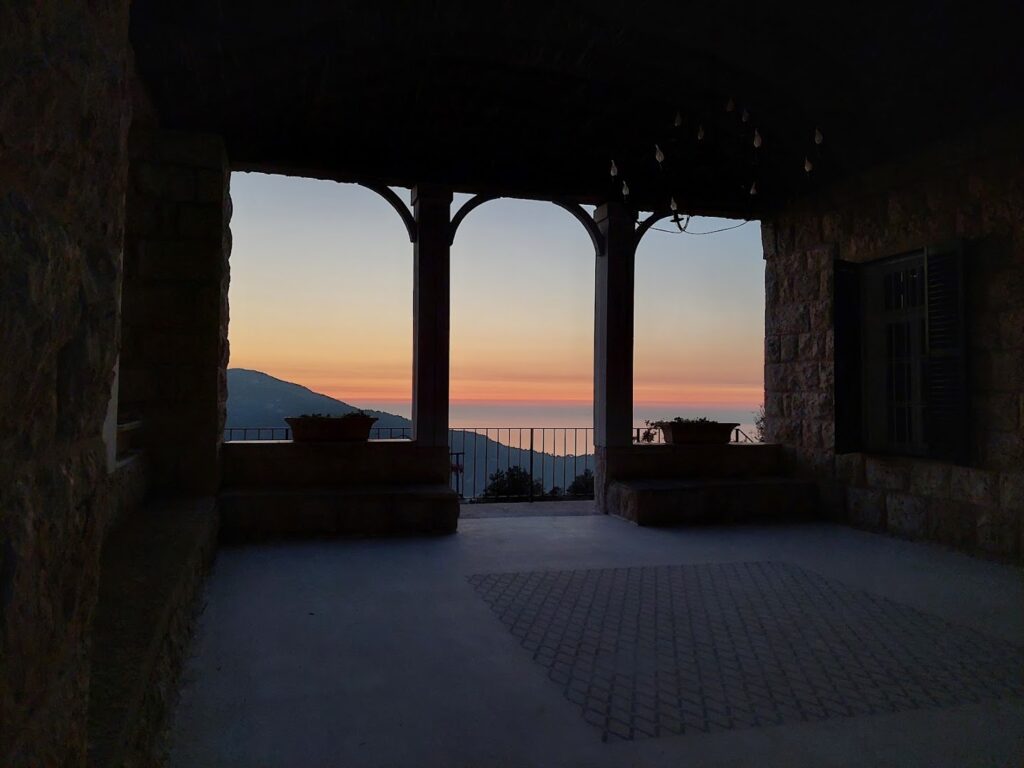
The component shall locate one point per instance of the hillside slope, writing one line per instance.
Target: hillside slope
(256, 399)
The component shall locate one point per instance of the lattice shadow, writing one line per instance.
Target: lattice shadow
(650, 651)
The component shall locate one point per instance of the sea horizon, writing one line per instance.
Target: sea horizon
(463, 415)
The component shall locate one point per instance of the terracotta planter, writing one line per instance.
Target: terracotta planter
(697, 433)
(322, 429)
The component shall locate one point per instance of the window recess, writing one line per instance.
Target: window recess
(901, 369)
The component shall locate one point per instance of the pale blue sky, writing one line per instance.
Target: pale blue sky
(321, 294)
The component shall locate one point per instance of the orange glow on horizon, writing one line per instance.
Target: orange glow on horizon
(386, 387)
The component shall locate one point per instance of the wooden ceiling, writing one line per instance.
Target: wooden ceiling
(535, 99)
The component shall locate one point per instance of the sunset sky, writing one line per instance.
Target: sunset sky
(321, 294)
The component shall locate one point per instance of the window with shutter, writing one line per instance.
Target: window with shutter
(893, 347)
(901, 385)
(945, 378)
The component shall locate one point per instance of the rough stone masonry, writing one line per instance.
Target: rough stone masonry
(970, 189)
(63, 166)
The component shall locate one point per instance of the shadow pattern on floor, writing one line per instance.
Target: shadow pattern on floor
(652, 651)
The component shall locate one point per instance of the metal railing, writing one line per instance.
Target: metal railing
(496, 463)
(256, 433)
(657, 437)
(391, 433)
(285, 433)
(525, 463)
(506, 463)
(739, 436)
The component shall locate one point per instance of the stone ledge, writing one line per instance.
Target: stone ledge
(152, 566)
(693, 461)
(712, 500)
(278, 464)
(363, 510)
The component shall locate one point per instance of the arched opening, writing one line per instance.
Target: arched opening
(522, 321)
(699, 323)
(321, 311)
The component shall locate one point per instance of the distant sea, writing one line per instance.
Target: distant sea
(526, 414)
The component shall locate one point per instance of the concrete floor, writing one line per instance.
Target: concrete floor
(387, 653)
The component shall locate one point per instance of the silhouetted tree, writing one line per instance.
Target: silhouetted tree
(760, 430)
(515, 481)
(582, 484)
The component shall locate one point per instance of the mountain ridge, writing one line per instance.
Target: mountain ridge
(257, 399)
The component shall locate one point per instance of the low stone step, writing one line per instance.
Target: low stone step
(359, 510)
(712, 500)
(152, 566)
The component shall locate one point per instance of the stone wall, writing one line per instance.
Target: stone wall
(175, 311)
(972, 190)
(64, 115)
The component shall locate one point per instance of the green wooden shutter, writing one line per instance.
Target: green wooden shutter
(848, 396)
(946, 395)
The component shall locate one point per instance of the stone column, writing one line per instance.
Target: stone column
(175, 311)
(431, 313)
(613, 331)
(613, 338)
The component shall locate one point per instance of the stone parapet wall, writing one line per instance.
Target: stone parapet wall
(689, 461)
(64, 116)
(286, 464)
(682, 462)
(175, 314)
(970, 190)
(965, 507)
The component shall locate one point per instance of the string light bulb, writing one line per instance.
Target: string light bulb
(614, 170)
(679, 119)
(658, 154)
(808, 165)
(818, 136)
(625, 189)
(745, 117)
(758, 141)
(753, 188)
(700, 133)
(730, 105)
(672, 205)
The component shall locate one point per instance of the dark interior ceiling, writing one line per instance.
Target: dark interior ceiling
(535, 99)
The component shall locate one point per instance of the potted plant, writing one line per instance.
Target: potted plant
(680, 431)
(353, 427)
